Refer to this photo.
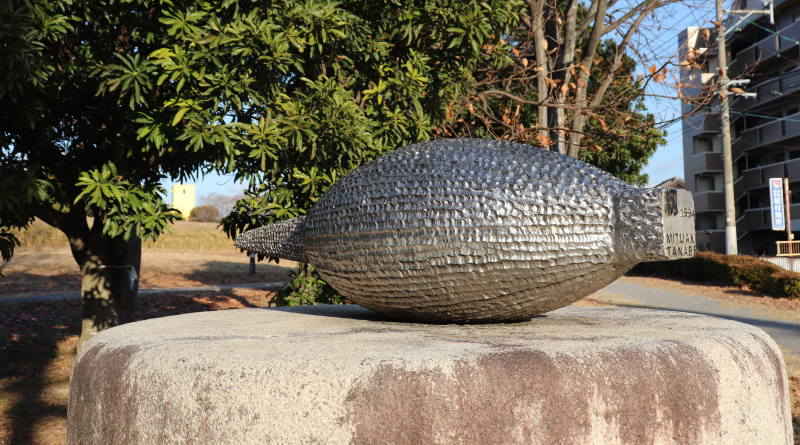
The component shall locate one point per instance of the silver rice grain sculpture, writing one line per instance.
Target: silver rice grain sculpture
(467, 230)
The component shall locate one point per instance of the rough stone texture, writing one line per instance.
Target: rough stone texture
(468, 230)
(344, 375)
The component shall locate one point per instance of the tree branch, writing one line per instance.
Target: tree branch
(620, 53)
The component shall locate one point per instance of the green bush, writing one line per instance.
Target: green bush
(305, 287)
(205, 213)
(735, 270)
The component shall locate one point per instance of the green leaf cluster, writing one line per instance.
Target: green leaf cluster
(19, 189)
(102, 100)
(77, 90)
(305, 287)
(295, 94)
(125, 209)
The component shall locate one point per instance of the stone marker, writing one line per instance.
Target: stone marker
(463, 230)
(345, 375)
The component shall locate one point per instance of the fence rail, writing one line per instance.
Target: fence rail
(788, 248)
(787, 263)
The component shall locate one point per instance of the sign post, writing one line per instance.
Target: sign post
(788, 209)
(776, 203)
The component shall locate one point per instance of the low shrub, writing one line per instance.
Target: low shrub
(735, 270)
(205, 214)
(305, 287)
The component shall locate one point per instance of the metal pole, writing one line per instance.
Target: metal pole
(731, 247)
(788, 210)
(788, 216)
(252, 263)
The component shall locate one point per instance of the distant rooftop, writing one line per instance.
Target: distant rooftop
(672, 183)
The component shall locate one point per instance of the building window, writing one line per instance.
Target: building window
(705, 222)
(705, 184)
(792, 111)
(777, 157)
(794, 154)
(703, 145)
(795, 16)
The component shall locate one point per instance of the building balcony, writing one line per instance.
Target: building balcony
(755, 219)
(765, 92)
(706, 162)
(752, 179)
(738, 188)
(737, 149)
(760, 219)
(793, 170)
(777, 131)
(756, 178)
(709, 202)
(794, 212)
(702, 123)
(769, 92)
(766, 51)
(741, 226)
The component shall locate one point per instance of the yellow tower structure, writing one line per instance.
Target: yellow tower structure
(183, 198)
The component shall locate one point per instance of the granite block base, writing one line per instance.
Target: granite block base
(344, 375)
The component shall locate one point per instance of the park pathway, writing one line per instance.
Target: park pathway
(782, 325)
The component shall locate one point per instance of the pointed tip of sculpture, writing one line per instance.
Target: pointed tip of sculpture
(239, 241)
(278, 240)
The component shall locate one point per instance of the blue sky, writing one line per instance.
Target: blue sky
(663, 44)
(657, 45)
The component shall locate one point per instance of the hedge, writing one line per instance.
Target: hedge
(735, 270)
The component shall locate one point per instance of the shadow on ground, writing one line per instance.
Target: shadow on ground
(222, 272)
(18, 284)
(30, 282)
(37, 352)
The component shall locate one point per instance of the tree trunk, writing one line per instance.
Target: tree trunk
(105, 288)
(105, 265)
(542, 91)
(135, 261)
(99, 304)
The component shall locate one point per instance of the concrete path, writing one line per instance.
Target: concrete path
(271, 286)
(782, 326)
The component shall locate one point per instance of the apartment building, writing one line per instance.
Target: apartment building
(765, 130)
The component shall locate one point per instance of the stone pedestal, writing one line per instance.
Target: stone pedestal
(343, 375)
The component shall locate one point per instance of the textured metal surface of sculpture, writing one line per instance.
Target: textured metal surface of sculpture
(467, 230)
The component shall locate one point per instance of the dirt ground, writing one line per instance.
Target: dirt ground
(37, 353)
(38, 339)
(54, 271)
